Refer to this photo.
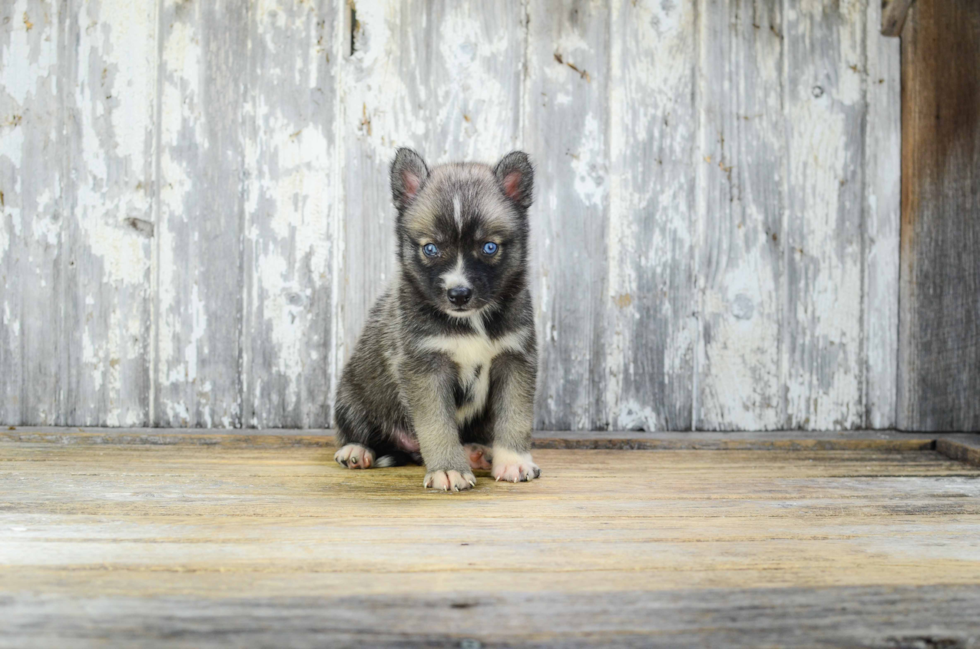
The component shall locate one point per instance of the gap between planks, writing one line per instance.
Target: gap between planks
(961, 447)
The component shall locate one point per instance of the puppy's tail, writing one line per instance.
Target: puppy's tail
(397, 458)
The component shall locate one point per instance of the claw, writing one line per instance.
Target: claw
(511, 466)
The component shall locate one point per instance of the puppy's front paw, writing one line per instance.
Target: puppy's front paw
(354, 456)
(510, 466)
(449, 480)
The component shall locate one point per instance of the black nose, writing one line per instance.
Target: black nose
(459, 295)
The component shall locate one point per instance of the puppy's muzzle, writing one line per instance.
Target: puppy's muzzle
(459, 295)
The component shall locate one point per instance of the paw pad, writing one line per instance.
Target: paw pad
(354, 456)
(479, 456)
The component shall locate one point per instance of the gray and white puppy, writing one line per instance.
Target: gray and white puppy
(446, 364)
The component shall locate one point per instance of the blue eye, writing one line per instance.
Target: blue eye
(489, 248)
(430, 250)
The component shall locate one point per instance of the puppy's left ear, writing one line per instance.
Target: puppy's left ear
(516, 177)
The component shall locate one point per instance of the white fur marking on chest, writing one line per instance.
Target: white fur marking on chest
(471, 353)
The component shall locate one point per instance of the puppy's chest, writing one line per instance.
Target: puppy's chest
(473, 356)
(472, 359)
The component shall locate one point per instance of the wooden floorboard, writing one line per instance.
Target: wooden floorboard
(196, 544)
(913, 617)
(611, 440)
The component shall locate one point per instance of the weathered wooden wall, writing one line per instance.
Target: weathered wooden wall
(940, 275)
(196, 214)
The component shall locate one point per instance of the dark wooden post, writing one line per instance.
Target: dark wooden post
(939, 322)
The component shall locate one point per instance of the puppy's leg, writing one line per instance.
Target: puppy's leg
(431, 401)
(512, 389)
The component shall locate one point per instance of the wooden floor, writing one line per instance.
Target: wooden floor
(231, 544)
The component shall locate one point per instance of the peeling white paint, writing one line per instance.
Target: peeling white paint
(658, 290)
(649, 348)
(181, 60)
(18, 82)
(740, 207)
(473, 102)
(636, 416)
(823, 368)
(883, 151)
(32, 183)
(589, 164)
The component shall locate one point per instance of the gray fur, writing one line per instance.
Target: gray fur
(427, 375)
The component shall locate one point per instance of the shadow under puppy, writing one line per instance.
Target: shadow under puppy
(446, 365)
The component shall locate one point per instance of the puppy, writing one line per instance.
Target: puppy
(444, 371)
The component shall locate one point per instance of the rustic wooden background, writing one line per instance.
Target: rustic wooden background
(195, 211)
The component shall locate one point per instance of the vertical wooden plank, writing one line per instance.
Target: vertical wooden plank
(883, 191)
(649, 302)
(566, 135)
(111, 93)
(443, 77)
(32, 167)
(939, 336)
(822, 337)
(293, 203)
(741, 204)
(198, 268)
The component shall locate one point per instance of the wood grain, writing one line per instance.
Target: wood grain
(649, 308)
(34, 171)
(205, 541)
(742, 200)
(198, 260)
(862, 616)
(965, 448)
(939, 335)
(822, 239)
(291, 243)
(110, 81)
(882, 222)
(565, 130)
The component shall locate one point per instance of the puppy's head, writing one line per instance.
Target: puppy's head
(462, 228)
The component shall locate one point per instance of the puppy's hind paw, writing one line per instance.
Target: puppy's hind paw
(510, 466)
(449, 480)
(479, 456)
(354, 456)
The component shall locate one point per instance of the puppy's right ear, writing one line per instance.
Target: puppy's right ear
(516, 177)
(408, 174)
